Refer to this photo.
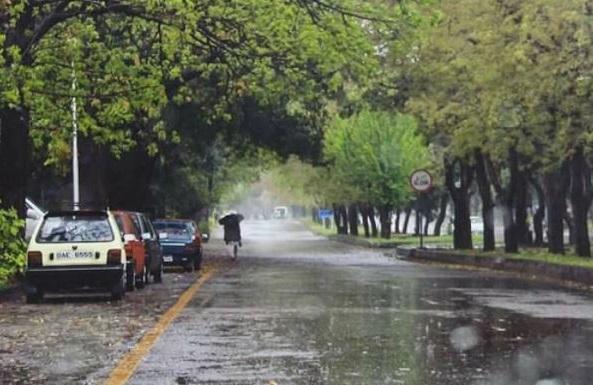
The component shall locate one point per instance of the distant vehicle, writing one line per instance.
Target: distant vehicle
(181, 241)
(280, 212)
(76, 249)
(136, 267)
(477, 225)
(152, 245)
(34, 214)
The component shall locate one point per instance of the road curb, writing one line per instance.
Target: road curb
(363, 242)
(573, 274)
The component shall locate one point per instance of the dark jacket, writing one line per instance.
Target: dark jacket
(232, 229)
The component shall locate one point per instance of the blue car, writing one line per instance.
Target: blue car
(181, 242)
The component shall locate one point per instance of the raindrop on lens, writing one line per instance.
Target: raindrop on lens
(464, 338)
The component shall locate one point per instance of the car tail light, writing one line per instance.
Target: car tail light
(114, 257)
(34, 258)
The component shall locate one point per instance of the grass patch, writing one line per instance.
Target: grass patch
(537, 254)
(533, 254)
(396, 239)
(318, 229)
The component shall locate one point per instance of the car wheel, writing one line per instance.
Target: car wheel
(158, 275)
(35, 297)
(189, 267)
(146, 272)
(118, 291)
(130, 276)
(198, 261)
(141, 279)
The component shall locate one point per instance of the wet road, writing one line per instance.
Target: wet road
(297, 309)
(77, 338)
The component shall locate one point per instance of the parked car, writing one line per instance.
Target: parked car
(181, 241)
(34, 214)
(136, 268)
(75, 249)
(152, 245)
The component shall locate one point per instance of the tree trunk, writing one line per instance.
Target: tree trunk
(521, 204)
(487, 202)
(444, 202)
(364, 210)
(385, 219)
(353, 219)
(570, 224)
(344, 220)
(581, 194)
(417, 228)
(398, 212)
(374, 230)
(506, 197)
(14, 158)
(426, 225)
(407, 220)
(338, 219)
(556, 183)
(462, 236)
(538, 217)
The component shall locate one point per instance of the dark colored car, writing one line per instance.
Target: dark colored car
(152, 244)
(181, 241)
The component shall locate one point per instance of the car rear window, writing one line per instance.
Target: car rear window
(75, 228)
(174, 230)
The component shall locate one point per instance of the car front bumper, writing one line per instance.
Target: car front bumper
(54, 277)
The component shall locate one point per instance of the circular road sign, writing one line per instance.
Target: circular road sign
(421, 181)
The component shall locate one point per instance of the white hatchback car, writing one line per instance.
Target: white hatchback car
(75, 249)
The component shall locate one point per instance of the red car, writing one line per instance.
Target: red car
(136, 268)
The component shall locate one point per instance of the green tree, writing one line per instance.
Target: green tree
(375, 152)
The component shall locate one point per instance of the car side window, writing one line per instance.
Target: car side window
(137, 229)
(147, 227)
(137, 223)
(152, 230)
(120, 224)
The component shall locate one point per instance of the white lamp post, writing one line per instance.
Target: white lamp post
(75, 186)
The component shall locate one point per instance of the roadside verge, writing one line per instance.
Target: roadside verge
(363, 242)
(579, 275)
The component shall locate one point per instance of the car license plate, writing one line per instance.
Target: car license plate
(71, 254)
(168, 258)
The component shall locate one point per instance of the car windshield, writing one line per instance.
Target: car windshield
(174, 230)
(75, 228)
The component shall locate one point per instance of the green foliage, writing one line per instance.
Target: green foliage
(372, 155)
(501, 75)
(12, 246)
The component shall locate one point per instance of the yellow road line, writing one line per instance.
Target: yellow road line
(129, 363)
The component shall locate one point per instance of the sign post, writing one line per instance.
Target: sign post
(421, 182)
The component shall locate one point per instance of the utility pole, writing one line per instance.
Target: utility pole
(75, 183)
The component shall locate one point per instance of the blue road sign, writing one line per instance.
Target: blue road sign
(324, 213)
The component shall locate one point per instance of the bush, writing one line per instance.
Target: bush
(12, 245)
(204, 226)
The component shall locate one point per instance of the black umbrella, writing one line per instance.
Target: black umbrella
(231, 218)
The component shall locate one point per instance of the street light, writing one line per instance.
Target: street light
(75, 182)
